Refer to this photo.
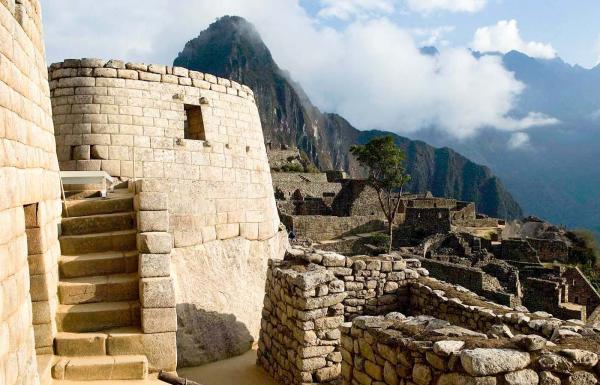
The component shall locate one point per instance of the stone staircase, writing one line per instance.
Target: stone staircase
(98, 318)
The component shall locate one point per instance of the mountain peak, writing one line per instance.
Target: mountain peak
(232, 48)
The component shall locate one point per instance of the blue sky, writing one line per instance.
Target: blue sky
(571, 27)
(359, 58)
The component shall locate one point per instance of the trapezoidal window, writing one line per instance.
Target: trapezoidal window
(193, 127)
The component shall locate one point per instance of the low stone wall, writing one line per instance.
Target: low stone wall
(325, 227)
(310, 294)
(469, 277)
(419, 350)
(299, 331)
(464, 308)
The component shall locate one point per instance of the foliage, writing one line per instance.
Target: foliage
(292, 167)
(585, 248)
(384, 161)
(307, 163)
(585, 253)
(380, 240)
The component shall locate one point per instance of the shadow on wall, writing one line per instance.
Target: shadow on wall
(207, 336)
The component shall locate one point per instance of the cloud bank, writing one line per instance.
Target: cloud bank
(504, 37)
(432, 6)
(348, 9)
(371, 70)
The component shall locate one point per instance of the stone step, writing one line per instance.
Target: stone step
(94, 317)
(134, 367)
(109, 262)
(100, 288)
(72, 195)
(115, 203)
(99, 223)
(95, 243)
(80, 344)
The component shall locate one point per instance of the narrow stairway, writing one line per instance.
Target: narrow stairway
(98, 318)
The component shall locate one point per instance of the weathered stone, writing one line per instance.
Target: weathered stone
(485, 362)
(530, 342)
(422, 374)
(462, 379)
(581, 357)
(547, 378)
(554, 363)
(447, 347)
(522, 377)
(582, 378)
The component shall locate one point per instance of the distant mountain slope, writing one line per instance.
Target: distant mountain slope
(232, 48)
(556, 176)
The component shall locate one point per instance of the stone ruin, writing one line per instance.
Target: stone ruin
(510, 271)
(114, 288)
(366, 320)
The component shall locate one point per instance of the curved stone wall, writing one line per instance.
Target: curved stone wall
(129, 119)
(29, 197)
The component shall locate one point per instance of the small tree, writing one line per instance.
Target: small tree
(385, 163)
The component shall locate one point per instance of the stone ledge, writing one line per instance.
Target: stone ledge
(98, 68)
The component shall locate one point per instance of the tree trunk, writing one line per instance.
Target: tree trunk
(390, 226)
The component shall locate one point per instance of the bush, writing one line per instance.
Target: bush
(380, 240)
(292, 167)
(585, 248)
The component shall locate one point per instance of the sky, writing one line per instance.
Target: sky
(360, 58)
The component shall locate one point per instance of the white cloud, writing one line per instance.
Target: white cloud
(370, 71)
(519, 140)
(348, 9)
(432, 6)
(504, 37)
(433, 36)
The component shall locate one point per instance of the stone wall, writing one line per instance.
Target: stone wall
(30, 206)
(326, 227)
(411, 350)
(472, 278)
(310, 184)
(581, 291)
(551, 296)
(428, 221)
(310, 294)
(550, 250)
(219, 218)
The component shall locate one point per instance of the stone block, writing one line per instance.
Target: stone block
(154, 242)
(81, 152)
(229, 230)
(159, 320)
(151, 201)
(160, 348)
(148, 221)
(154, 265)
(157, 292)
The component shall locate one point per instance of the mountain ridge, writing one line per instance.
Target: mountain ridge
(232, 48)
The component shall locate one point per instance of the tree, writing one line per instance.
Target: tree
(385, 163)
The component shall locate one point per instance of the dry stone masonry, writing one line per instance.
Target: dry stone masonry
(392, 324)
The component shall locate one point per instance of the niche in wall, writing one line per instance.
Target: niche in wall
(194, 124)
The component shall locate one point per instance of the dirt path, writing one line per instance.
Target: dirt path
(240, 370)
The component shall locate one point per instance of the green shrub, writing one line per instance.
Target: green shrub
(292, 167)
(380, 240)
(585, 248)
